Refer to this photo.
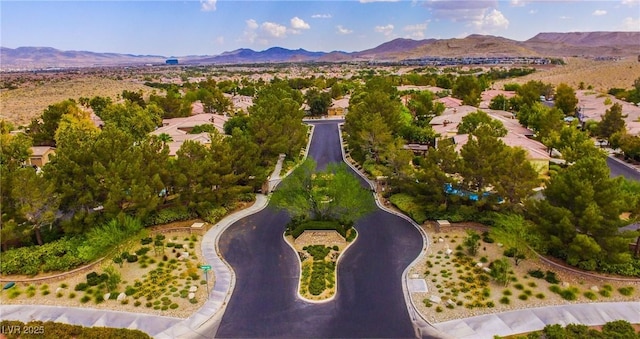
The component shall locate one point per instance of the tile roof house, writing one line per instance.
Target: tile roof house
(339, 106)
(40, 155)
(179, 129)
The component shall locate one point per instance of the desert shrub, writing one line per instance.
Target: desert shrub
(626, 291)
(540, 296)
(536, 273)
(551, 277)
(555, 289)
(505, 301)
(518, 286)
(85, 299)
(142, 251)
(568, 294)
(81, 286)
(506, 292)
(318, 252)
(146, 241)
(72, 295)
(619, 329)
(173, 306)
(590, 295)
(490, 304)
(439, 309)
(523, 296)
(132, 258)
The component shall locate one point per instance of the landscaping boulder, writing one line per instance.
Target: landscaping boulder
(486, 269)
(448, 251)
(106, 296)
(595, 288)
(191, 296)
(184, 255)
(193, 288)
(479, 264)
(121, 296)
(565, 284)
(435, 299)
(59, 290)
(451, 302)
(440, 240)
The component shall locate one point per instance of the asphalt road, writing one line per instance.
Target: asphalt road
(618, 169)
(369, 302)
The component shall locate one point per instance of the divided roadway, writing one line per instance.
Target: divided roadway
(369, 301)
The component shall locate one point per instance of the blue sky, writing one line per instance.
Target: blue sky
(194, 27)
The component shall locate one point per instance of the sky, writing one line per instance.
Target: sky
(210, 27)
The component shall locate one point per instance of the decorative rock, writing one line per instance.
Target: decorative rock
(191, 295)
(184, 255)
(435, 299)
(479, 264)
(415, 276)
(565, 284)
(121, 296)
(59, 290)
(486, 269)
(193, 288)
(450, 302)
(500, 244)
(448, 251)
(106, 296)
(440, 240)
(595, 288)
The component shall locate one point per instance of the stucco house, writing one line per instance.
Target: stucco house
(40, 155)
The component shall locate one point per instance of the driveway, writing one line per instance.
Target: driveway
(369, 302)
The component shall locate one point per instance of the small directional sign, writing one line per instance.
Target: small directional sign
(205, 267)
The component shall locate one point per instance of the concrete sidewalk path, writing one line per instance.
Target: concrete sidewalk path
(207, 317)
(533, 319)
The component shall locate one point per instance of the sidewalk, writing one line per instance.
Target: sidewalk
(209, 315)
(528, 320)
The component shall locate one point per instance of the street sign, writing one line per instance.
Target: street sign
(205, 267)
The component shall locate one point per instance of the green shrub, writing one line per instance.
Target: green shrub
(540, 296)
(58, 255)
(173, 306)
(605, 293)
(590, 295)
(555, 289)
(81, 286)
(408, 204)
(626, 291)
(523, 297)
(85, 299)
(568, 294)
(518, 286)
(506, 292)
(60, 330)
(142, 251)
(536, 273)
(551, 278)
(167, 215)
(318, 252)
(505, 300)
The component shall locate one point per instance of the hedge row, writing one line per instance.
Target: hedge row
(296, 228)
(59, 255)
(50, 330)
(407, 204)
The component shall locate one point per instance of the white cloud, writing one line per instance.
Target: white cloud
(564, 17)
(518, 3)
(369, 1)
(297, 23)
(631, 2)
(631, 24)
(252, 24)
(494, 20)
(533, 11)
(416, 31)
(273, 30)
(599, 12)
(208, 5)
(386, 30)
(343, 30)
(322, 16)
(460, 11)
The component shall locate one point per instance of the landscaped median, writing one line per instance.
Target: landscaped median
(319, 246)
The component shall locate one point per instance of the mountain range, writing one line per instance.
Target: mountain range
(586, 44)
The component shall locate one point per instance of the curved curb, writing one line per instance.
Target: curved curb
(421, 325)
(225, 278)
(300, 296)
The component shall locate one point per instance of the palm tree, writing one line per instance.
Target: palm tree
(165, 138)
